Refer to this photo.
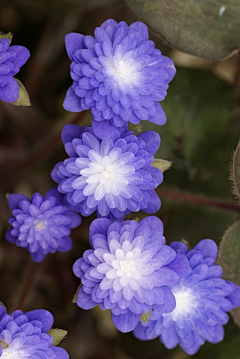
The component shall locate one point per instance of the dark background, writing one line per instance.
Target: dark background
(199, 137)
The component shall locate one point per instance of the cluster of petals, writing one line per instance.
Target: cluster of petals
(41, 224)
(26, 335)
(11, 59)
(202, 300)
(119, 74)
(128, 270)
(113, 176)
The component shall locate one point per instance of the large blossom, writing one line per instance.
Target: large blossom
(26, 335)
(202, 300)
(119, 75)
(42, 224)
(112, 176)
(11, 59)
(128, 270)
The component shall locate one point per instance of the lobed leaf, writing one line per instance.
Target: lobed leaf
(209, 29)
(228, 259)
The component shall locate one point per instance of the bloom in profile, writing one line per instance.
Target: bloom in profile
(112, 176)
(128, 270)
(119, 74)
(26, 335)
(41, 224)
(11, 59)
(202, 300)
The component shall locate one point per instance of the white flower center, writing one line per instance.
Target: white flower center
(40, 226)
(122, 69)
(104, 176)
(107, 175)
(127, 266)
(185, 303)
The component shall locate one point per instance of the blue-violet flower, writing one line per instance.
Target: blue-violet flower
(26, 335)
(119, 75)
(112, 176)
(11, 59)
(42, 224)
(128, 270)
(202, 300)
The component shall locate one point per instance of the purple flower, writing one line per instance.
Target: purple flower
(202, 300)
(112, 176)
(119, 75)
(42, 224)
(26, 335)
(128, 270)
(11, 59)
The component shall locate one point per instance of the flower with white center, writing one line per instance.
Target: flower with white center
(42, 224)
(111, 176)
(26, 335)
(119, 75)
(202, 300)
(128, 270)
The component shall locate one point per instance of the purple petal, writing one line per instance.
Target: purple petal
(72, 102)
(73, 42)
(125, 322)
(42, 316)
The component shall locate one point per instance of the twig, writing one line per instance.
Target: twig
(196, 199)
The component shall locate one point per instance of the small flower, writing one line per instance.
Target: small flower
(202, 300)
(26, 335)
(128, 270)
(42, 224)
(11, 59)
(119, 75)
(112, 176)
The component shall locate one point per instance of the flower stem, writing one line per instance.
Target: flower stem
(196, 199)
(27, 285)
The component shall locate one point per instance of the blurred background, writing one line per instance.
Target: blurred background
(199, 138)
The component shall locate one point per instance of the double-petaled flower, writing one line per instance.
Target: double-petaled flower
(119, 75)
(112, 176)
(128, 270)
(202, 300)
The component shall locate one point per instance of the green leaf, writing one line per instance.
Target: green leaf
(76, 295)
(210, 28)
(3, 344)
(145, 317)
(162, 165)
(23, 99)
(135, 128)
(235, 171)
(228, 259)
(6, 36)
(58, 335)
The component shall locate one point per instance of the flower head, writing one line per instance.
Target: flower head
(26, 335)
(119, 75)
(128, 270)
(42, 224)
(11, 59)
(112, 176)
(202, 300)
